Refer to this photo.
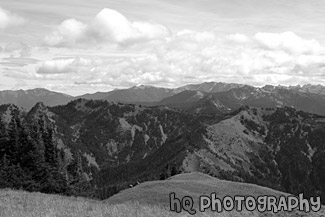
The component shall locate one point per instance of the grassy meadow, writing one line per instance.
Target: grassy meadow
(25, 204)
(148, 199)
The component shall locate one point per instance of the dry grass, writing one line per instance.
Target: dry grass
(24, 204)
(188, 184)
(149, 199)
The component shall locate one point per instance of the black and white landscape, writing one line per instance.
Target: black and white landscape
(122, 103)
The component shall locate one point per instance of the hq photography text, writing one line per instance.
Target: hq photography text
(240, 203)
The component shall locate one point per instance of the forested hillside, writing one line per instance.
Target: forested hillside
(31, 159)
(97, 148)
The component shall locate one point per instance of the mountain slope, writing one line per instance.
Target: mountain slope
(116, 140)
(207, 97)
(266, 97)
(28, 98)
(20, 203)
(195, 185)
(184, 99)
(107, 137)
(209, 87)
(94, 96)
(141, 93)
(118, 144)
(250, 145)
(318, 89)
(192, 184)
(280, 148)
(146, 93)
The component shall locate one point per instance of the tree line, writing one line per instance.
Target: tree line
(30, 159)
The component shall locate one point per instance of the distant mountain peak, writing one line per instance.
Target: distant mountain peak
(152, 95)
(142, 86)
(38, 89)
(44, 92)
(145, 86)
(28, 98)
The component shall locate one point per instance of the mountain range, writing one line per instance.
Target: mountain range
(136, 94)
(120, 144)
(208, 97)
(270, 136)
(265, 97)
(28, 98)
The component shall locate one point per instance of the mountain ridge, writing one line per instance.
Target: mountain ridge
(267, 96)
(175, 97)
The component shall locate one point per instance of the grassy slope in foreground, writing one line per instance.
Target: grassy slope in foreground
(24, 204)
(156, 193)
(188, 184)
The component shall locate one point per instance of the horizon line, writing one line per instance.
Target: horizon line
(148, 85)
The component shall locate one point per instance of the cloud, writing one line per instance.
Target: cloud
(17, 62)
(18, 50)
(239, 38)
(60, 66)
(67, 65)
(287, 41)
(68, 33)
(191, 57)
(108, 26)
(186, 57)
(8, 19)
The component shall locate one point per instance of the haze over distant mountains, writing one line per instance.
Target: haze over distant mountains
(28, 98)
(145, 93)
(141, 93)
(208, 97)
(306, 98)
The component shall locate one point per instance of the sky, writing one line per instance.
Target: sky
(82, 46)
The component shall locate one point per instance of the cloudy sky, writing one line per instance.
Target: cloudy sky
(79, 46)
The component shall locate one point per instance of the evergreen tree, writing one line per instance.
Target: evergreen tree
(31, 160)
(50, 151)
(12, 144)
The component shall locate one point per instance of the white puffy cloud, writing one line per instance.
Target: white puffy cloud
(18, 50)
(185, 57)
(108, 26)
(67, 65)
(239, 38)
(190, 57)
(288, 41)
(68, 33)
(59, 66)
(8, 19)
